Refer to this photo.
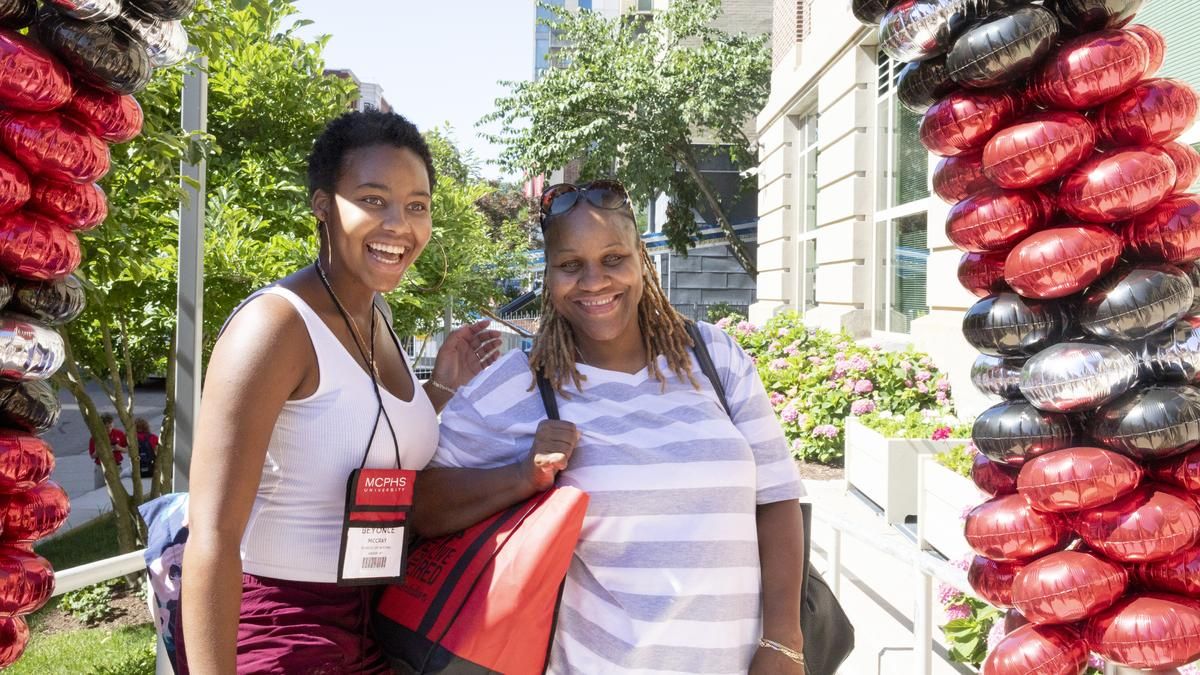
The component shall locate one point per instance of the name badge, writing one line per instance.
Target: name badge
(375, 527)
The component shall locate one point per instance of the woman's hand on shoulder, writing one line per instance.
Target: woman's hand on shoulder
(553, 444)
(466, 352)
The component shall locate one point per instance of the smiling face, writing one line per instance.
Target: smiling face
(378, 218)
(594, 277)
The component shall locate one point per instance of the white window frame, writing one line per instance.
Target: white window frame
(806, 163)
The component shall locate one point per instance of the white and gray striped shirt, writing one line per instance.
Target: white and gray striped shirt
(666, 575)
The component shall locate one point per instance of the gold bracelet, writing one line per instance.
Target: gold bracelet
(792, 654)
(439, 385)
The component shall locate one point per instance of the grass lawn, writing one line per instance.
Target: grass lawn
(125, 651)
(92, 541)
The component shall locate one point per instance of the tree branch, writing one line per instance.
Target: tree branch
(688, 160)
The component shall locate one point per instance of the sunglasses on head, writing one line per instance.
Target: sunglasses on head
(602, 194)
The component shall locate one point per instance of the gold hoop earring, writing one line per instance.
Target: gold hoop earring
(445, 270)
(323, 235)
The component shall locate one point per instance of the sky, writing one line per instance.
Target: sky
(438, 61)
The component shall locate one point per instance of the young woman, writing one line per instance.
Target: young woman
(307, 381)
(691, 554)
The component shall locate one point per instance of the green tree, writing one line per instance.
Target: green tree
(269, 97)
(628, 96)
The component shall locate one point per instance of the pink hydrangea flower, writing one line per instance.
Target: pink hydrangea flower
(860, 363)
(746, 328)
(941, 433)
(862, 406)
(802, 420)
(864, 387)
(825, 431)
(774, 346)
(840, 368)
(925, 361)
(943, 385)
(789, 414)
(875, 346)
(922, 388)
(956, 612)
(840, 356)
(1096, 661)
(782, 332)
(941, 397)
(947, 594)
(923, 375)
(724, 323)
(816, 360)
(777, 399)
(791, 350)
(779, 364)
(996, 634)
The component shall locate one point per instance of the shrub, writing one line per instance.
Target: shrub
(817, 378)
(90, 605)
(937, 425)
(958, 459)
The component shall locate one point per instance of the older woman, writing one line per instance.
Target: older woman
(691, 553)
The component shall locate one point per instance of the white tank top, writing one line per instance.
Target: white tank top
(294, 531)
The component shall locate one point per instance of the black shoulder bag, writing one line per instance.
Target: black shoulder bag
(828, 633)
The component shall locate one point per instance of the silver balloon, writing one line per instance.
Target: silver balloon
(166, 41)
(1151, 423)
(32, 406)
(1074, 376)
(997, 375)
(926, 28)
(1172, 355)
(1014, 431)
(6, 291)
(28, 350)
(1132, 303)
(1006, 324)
(88, 10)
(1193, 272)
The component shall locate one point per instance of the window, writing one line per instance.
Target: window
(806, 210)
(725, 176)
(645, 5)
(901, 200)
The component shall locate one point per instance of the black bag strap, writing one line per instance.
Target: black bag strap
(548, 396)
(706, 364)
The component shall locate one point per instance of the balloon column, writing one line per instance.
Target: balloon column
(1080, 239)
(65, 94)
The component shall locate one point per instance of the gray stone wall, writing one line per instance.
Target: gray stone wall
(707, 277)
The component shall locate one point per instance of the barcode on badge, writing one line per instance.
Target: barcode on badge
(374, 563)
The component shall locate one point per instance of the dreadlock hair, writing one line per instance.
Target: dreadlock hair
(663, 332)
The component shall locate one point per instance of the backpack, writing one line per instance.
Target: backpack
(145, 455)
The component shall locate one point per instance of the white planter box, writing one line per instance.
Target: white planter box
(944, 497)
(884, 470)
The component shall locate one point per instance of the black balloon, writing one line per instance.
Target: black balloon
(166, 41)
(1014, 431)
(17, 13)
(88, 10)
(1135, 302)
(997, 375)
(6, 291)
(96, 52)
(1151, 423)
(54, 302)
(1006, 324)
(1003, 49)
(167, 10)
(915, 30)
(923, 83)
(870, 12)
(29, 406)
(1172, 355)
(1088, 15)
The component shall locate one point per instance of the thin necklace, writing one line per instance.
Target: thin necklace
(358, 338)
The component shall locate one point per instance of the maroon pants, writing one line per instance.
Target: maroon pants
(305, 628)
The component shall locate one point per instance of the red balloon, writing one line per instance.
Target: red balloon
(1187, 164)
(14, 635)
(1117, 185)
(1178, 574)
(1152, 631)
(993, 478)
(53, 146)
(14, 185)
(993, 580)
(25, 461)
(115, 118)
(1182, 471)
(1008, 529)
(958, 177)
(78, 206)
(964, 120)
(982, 273)
(995, 219)
(1091, 69)
(1038, 650)
(1077, 478)
(1067, 586)
(1150, 523)
(26, 581)
(1156, 46)
(1169, 232)
(1062, 261)
(30, 78)
(1154, 111)
(34, 513)
(35, 247)
(1038, 149)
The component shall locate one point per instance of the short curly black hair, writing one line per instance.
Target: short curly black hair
(355, 130)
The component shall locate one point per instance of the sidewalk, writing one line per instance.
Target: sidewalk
(92, 504)
(878, 592)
